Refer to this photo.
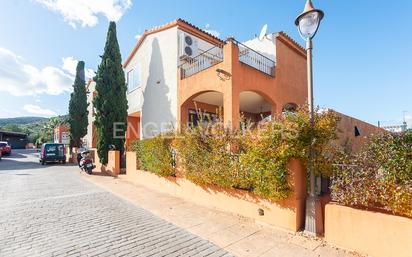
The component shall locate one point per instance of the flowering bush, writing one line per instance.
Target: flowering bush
(379, 176)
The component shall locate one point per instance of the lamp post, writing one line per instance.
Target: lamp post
(308, 23)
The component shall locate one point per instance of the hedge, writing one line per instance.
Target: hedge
(253, 160)
(379, 176)
(155, 155)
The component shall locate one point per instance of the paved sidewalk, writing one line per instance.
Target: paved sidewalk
(239, 236)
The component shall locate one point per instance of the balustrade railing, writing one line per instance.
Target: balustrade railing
(201, 62)
(256, 60)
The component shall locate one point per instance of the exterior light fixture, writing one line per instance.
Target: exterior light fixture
(308, 21)
(308, 24)
(223, 75)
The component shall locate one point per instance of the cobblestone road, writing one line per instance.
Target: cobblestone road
(51, 211)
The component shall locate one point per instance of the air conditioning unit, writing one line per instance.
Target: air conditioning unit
(188, 47)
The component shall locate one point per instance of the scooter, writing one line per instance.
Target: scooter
(86, 163)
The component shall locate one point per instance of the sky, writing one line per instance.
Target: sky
(362, 51)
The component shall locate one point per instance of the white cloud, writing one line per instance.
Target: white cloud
(211, 31)
(35, 109)
(70, 64)
(85, 12)
(19, 78)
(138, 36)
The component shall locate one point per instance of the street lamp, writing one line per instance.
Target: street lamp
(308, 24)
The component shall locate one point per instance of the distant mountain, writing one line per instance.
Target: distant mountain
(21, 120)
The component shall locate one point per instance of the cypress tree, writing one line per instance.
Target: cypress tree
(110, 102)
(78, 108)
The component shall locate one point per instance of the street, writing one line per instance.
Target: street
(52, 211)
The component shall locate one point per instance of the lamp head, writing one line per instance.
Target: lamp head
(308, 21)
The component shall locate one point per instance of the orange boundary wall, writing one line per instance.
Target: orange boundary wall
(367, 232)
(287, 214)
(113, 165)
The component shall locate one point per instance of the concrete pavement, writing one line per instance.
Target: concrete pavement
(55, 210)
(52, 211)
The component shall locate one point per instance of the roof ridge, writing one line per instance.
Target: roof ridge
(176, 22)
(292, 40)
(196, 27)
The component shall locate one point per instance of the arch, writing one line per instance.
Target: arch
(209, 103)
(266, 96)
(255, 106)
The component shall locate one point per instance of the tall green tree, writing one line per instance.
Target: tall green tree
(110, 102)
(78, 108)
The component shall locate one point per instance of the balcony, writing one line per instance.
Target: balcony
(201, 62)
(255, 60)
(214, 55)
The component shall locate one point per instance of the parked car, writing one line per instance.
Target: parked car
(6, 148)
(1, 154)
(52, 153)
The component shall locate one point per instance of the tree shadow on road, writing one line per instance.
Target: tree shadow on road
(15, 156)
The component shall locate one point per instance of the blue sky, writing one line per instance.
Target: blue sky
(362, 54)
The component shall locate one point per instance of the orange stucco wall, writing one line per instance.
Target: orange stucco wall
(287, 86)
(346, 132)
(113, 164)
(372, 233)
(94, 137)
(288, 214)
(133, 130)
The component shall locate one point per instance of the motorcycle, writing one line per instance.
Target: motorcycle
(85, 162)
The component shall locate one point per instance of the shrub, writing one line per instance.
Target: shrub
(379, 176)
(256, 159)
(155, 155)
(208, 156)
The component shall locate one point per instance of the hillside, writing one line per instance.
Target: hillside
(21, 120)
(38, 129)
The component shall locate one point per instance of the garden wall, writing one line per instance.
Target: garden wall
(368, 232)
(113, 165)
(287, 214)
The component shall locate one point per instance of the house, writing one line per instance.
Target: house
(61, 134)
(177, 69)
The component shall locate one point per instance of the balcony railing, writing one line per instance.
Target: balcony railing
(201, 62)
(256, 60)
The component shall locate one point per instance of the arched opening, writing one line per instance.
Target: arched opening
(205, 107)
(254, 107)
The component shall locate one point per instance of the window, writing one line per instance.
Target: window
(357, 131)
(133, 79)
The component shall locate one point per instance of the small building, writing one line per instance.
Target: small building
(17, 140)
(396, 128)
(61, 135)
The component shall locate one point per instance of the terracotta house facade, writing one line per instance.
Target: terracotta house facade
(61, 134)
(177, 70)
